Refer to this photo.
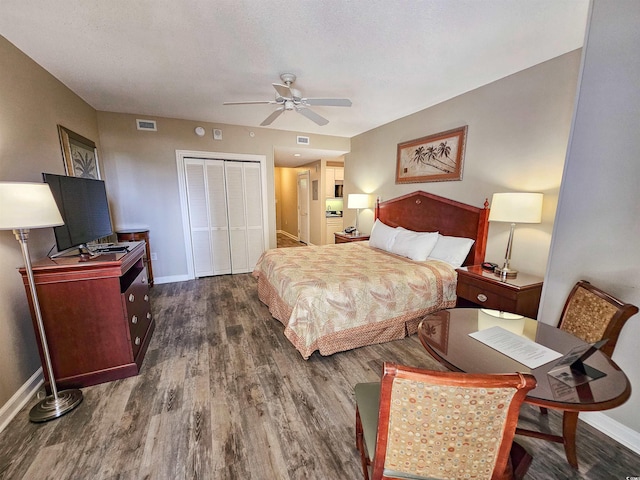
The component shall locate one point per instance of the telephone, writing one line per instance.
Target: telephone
(349, 229)
(489, 266)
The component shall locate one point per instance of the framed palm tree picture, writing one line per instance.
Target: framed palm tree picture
(79, 153)
(434, 158)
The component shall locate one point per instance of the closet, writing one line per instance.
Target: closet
(224, 200)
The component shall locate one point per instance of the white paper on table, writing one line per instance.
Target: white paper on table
(514, 346)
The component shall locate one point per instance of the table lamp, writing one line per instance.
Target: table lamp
(514, 208)
(25, 206)
(357, 201)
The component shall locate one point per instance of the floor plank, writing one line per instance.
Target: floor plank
(223, 395)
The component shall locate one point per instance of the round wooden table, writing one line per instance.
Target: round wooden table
(445, 335)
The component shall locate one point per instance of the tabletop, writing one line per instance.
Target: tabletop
(445, 335)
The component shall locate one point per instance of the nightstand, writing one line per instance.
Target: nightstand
(342, 237)
(520, 295)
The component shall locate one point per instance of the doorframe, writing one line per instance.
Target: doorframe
(184, 206)
(307, 175)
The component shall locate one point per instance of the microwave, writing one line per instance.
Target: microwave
(338, 191)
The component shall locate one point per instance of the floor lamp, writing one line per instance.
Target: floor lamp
(514, 207)
(26, 206)
(357, 201)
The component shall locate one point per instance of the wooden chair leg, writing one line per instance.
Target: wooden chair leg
(360, 446)
(520, 461)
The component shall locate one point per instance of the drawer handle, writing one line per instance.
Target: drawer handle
(137, 341)
(134, 319)
(148, 315)
(132, 297)
(143, 280)
(146, 298)
(482, 297)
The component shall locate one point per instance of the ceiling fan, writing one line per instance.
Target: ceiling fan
(289, 98)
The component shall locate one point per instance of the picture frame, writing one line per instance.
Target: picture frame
(79, 154)
(434, 158)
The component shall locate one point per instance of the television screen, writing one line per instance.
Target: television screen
(84, 208)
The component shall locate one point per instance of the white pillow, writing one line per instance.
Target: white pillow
(452, 250)
(382, 236)
(414, 245)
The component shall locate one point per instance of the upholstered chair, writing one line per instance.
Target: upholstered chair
(422, 424)
(593, 315)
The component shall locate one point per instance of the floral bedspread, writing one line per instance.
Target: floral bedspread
(338, 297)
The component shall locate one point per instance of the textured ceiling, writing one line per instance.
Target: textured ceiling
(182, 59)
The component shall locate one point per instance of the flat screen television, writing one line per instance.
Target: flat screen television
(84, 208)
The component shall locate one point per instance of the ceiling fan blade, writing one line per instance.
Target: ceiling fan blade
(282, 90)
(328, 102)
(272, 117)
(313, 116)
(256, 102)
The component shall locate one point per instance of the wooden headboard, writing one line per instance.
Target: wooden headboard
(425, 212)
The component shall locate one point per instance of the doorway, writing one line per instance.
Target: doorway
(303, 207)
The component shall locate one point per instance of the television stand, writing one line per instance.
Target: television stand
(96, 314)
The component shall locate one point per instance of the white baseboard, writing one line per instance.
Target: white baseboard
(287, 234)
(614, 429)
(10, 409)
(171, 279)
(292, 237)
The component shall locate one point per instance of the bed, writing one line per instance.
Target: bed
(334, 298)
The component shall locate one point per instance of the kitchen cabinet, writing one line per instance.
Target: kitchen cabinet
(333, 176)
(334, 224)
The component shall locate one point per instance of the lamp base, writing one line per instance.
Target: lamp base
(50, 407)
(505, 272)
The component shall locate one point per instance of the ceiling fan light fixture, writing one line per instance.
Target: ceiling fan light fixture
(289, 98)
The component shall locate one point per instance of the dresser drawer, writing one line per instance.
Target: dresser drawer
(138, 310)
(515, 295)
(487, 295)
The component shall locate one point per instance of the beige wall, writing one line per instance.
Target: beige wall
(140, 169)
(33, 103)
(516, 141)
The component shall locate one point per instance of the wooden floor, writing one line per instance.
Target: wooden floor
(223, 395)
(286, 241)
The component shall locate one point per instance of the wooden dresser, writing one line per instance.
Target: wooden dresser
(96, 313)
(342, 237)
(480, 287)
(139, 236)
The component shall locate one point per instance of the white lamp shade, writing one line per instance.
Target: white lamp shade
(27, 205)
(358, 200)
(516, 207)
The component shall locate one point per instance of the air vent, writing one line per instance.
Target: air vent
(303, 140)
(148, 125)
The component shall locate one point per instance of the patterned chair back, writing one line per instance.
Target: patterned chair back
(593, 315)
(446, 425)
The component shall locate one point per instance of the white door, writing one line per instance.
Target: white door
(244, 199)
(225, 214)
(207, 200)
(303, 207)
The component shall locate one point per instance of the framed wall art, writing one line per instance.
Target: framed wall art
(434, 158)
(79, 153)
